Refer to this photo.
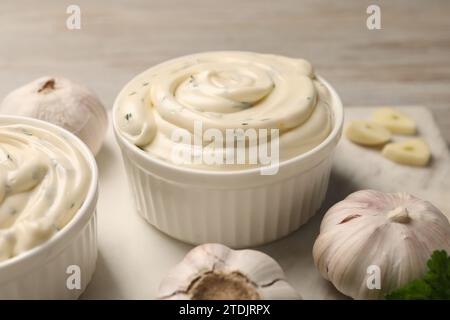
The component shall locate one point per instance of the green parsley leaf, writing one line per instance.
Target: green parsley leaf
(435, 284)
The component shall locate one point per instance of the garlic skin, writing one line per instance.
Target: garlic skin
(64, 103)
(395, 231)
(214, 271)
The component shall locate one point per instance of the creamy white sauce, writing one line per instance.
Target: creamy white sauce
(43, 182)
(226, 90)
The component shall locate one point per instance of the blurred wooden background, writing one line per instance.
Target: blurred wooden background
(405, 63)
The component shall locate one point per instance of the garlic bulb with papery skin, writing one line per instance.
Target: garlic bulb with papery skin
(216, 272)
(64, 103)
(395, 232)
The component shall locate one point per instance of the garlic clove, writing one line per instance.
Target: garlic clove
(394, 120)
(64, 103)
(367, 133)
(214, 271)
(395, 232)
(413, 152)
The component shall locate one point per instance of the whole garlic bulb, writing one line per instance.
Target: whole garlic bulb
(395, 232)
(214, 271)
(64, 103)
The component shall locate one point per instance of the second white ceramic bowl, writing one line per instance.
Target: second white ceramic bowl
(44, 271)
(239, 208)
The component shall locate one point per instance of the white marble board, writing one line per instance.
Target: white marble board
(134, 256)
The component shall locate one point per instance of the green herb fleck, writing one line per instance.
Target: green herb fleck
(145, 84)
(132, 93)
(27, 132)
(245, 123)
(192, 81)
(128, 116)
(435, 284)
(8, 156)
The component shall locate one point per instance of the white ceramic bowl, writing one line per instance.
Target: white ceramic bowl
(237, 208)
(41, 273)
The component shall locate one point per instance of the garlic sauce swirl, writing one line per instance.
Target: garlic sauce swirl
(226, 90)
(44, 180)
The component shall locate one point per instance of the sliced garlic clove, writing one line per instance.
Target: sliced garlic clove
(214, 271)
(394, 120)
(413, 152)
(367, 133)
(64, 103)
